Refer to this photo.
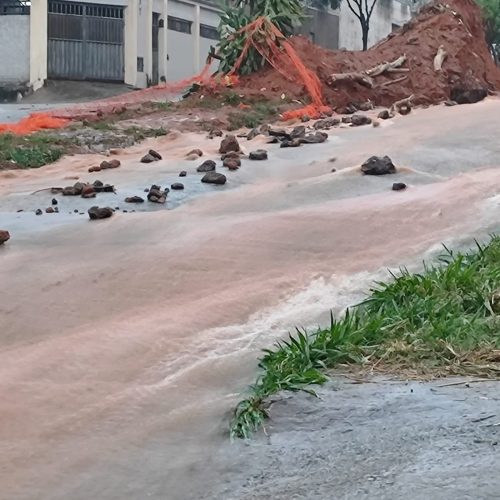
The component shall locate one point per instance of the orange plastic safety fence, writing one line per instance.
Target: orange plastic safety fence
(32, 123)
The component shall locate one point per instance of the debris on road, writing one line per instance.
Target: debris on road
(214, 178)
(100, 213)
(4, 236)
(378, 165)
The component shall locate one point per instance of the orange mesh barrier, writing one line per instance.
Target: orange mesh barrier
(32, 123)
(262, 35)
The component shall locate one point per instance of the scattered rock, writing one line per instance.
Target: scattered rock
(70, 191)
(288, 143)
(449, 102)
(316, 138)
(97, 184)
(56, 190)
(297, 132)
(134, 199)
(148, 159)
(156, 195)
(105, 165)
(384, 114)
(214, 178)
(192, 157)
(75, 210)
(54, 201)
(195, 152)
(398, 186)
(333, 170)
(114, 163)
(49, 210)
(273, 140)
(229, 143)
(365, 106)
(253, 134)
(206, 166)
(305, 118)
(280, 133)
(94, 169)
(375, 123)
(378, 165)
(404, 109)
(215, 133)
(182, 173)
(359, 120)
(326, 123)
(258, 154)
(56, 210)
(78, 186)
(346, 119)
(332, 159)
(100, 213)
(154, 154)
(231, 155)
(463, 95)
(108, 188)
(114, 151)
(177, 186)
(4, 236)
(88, 191)
(38, 211)
(232, 163)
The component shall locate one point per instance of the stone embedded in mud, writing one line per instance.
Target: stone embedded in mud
(78, 186)
(230, 155)
(114, 163)
(49, 210)
(195, 152)
(177, 186)
(206, 166)
(316, 138)
(214, 178)
(134, 199)
(280, 133)
(384, 114)
(182, 173)
(97, 184)
(398, 186)
(404, 109)
(88, 191)
(38, 211)
(54, 201)
(4, 236)
(229, 143)
(258, 154)
(359, 120)
(157, 195)
(273, 140)
(70, 191)
(378, 165)
(100, 213)
(154, 154)
(253, 134)
(365, 106)
(232, 163)
(105, 165)
(108, 188)
(299, 131)
(215, 133)
(148, 159)
(326, 123)
(94, 169)
(463, 95)
(56, 190)
(295, 143)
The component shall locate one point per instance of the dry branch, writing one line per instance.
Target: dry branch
(439, 59)
(402, 104)
(366, 77)
(397, 80)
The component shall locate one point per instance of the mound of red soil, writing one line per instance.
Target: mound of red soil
(457, 26)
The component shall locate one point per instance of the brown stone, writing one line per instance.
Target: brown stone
(4, 236)
(229, 143)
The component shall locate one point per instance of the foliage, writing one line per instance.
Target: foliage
(491, 11)
(31, 151)
(285, 14)
(443, 321)
(259, 114)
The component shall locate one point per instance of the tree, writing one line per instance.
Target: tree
(491, 12)
(362, 9)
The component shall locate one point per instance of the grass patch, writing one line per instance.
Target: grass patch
(32, 151)
(443, 321)
(141, 133)
(260, 113)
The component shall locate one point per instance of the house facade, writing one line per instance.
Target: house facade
(142, 42)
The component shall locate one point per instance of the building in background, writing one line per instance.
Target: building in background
(142, 42)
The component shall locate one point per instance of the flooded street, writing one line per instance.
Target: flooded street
(126, 342)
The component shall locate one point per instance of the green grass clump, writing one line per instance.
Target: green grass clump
(259, 114)
(443, 321)
(141, 133)
(32, 151)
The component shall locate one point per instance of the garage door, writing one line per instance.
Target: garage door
(85, 41)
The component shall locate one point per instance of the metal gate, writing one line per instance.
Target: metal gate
(85, 41)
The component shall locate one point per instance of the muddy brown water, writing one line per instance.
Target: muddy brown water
(125, 343)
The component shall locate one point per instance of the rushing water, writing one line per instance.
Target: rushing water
(124, 343)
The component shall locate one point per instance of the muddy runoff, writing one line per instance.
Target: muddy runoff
(126, 342)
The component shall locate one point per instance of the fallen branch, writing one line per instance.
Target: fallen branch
(387, 66)
(353, 77)
(397, 80)
(403, 104)
(366, 77)
(439, 59)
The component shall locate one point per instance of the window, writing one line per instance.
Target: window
(181, 25)
(140, 64)
(209, 32)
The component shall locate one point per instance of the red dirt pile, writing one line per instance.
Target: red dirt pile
(456, 27)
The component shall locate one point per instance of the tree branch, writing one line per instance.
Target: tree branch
(352, 9)
(371, 10)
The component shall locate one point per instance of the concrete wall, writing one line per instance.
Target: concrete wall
(321, 27)
(14, 50)
(385, 14)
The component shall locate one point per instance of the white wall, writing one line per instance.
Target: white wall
(38, 44)
(386, 13)
(14, 49)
